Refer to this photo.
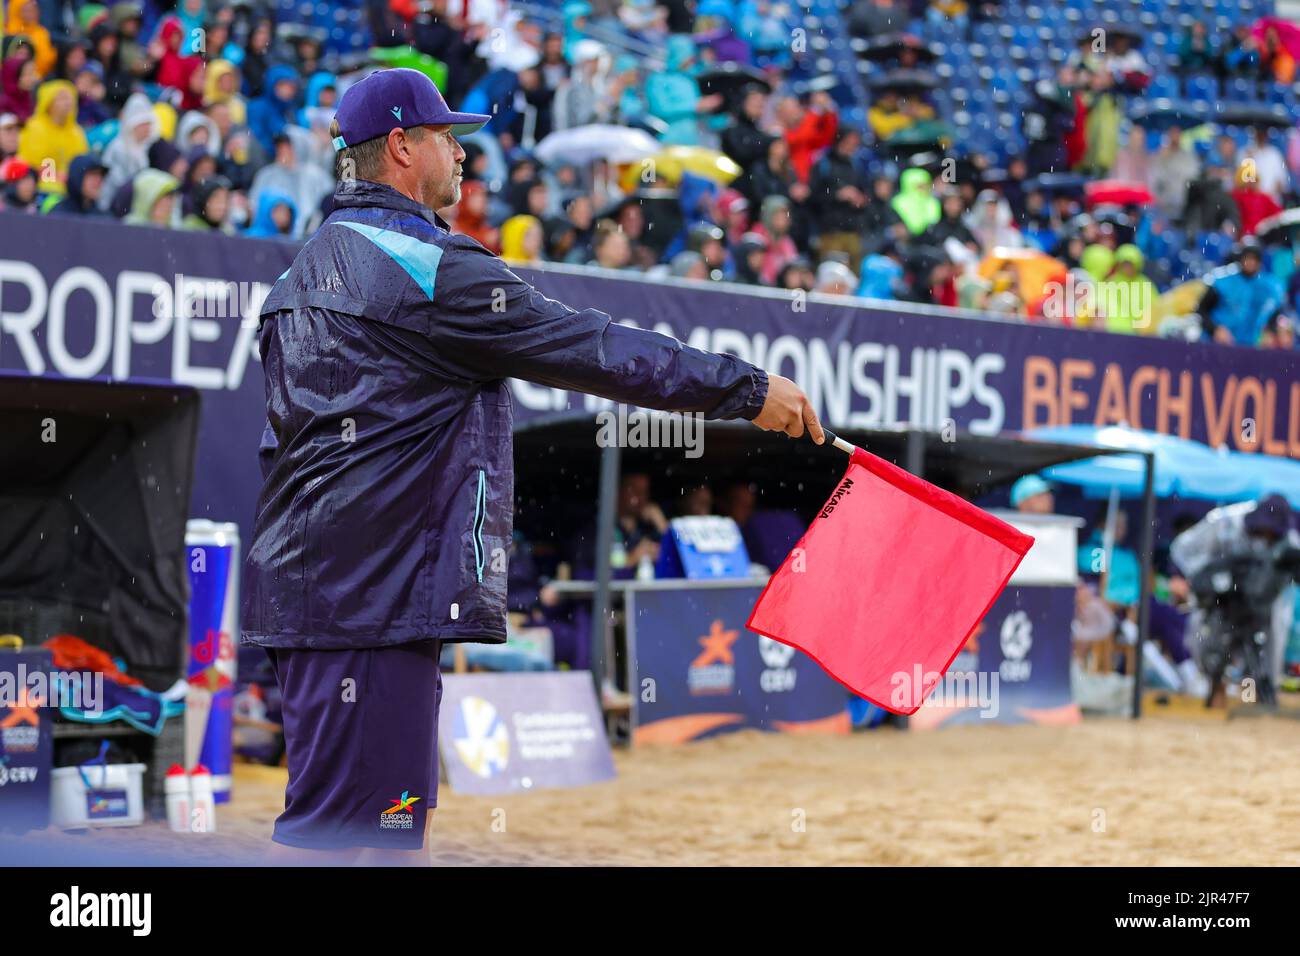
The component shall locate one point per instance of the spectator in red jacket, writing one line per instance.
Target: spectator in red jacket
(808, 129)
(1253, 203)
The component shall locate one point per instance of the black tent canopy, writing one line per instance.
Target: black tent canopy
(95, 484)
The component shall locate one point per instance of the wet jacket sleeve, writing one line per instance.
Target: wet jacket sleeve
(493, 324)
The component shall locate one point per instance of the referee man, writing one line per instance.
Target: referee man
(388, 469)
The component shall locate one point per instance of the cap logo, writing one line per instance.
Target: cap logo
(397, 111)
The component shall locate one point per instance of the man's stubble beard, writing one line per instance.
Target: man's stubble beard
(447, 195)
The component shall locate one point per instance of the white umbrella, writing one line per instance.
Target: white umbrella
(583, 144)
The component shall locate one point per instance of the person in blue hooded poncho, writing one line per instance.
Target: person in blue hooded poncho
(274, 218)
(881, 273)
(319, 100)
(276, 108)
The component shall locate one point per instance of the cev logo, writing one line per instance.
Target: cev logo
(1016, 638)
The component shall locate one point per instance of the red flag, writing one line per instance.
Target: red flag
(888, 582)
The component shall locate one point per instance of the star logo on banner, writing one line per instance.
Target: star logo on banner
(717, 646)
(23, 712)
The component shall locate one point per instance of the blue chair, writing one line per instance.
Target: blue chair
(1163, 86)
(1202, 87)
(1240, 88)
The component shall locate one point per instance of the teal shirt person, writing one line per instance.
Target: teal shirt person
(1124, 583)
(673, 95)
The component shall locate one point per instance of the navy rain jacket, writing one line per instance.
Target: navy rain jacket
(388, 500)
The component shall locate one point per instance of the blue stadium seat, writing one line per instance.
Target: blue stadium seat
(1202, 87)
(1240, 88)
(1163, 85)
(1281, 93)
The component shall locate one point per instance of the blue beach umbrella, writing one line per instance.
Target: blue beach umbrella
(1268, 475)
(1188, 469)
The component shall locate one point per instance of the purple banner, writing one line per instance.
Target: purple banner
(1014, 669)
(89, 299)
(699, 672)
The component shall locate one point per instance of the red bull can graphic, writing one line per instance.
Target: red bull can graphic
(212, 552)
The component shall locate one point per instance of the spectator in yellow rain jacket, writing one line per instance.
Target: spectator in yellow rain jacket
(521, 240)
(25, 18)
(221, 85)
(52, 139)
(1127, 296)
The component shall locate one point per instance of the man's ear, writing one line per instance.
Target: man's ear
(398, 147)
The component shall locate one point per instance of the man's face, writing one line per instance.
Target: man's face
(218, 205)
(9, 139)
(437, 164)
(60, 106)
(91, 184)
(1250, 263)
(161, 214)
(1043, 503)
(633, 494)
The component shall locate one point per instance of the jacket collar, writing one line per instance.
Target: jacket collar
(365, 192)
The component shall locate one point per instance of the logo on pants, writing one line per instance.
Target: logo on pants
(399, 815)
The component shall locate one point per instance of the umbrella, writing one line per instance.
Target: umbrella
(924, 133)
(293, 32)
(1278, 228)
(1163, 113)
(903, 81)
(411, 58)
(1114, 30)
(1035, 271)
(585, 144)
(1188, 469)
(1273, 115)
(1268, 475)
(729, 78)
(670, 163)
(959, 169)
(889, 47)
(1051, 184)
(1287, 32)
(817, 84)
(1116, 192)
(1114, 215)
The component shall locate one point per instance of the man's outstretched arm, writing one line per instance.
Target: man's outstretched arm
(492, 324)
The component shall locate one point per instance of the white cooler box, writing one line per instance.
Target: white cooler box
(97, 795)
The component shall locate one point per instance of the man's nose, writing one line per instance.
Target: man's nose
(460, 151)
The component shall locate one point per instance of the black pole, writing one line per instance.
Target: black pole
(1144, 591)
(600, 602)
(914, 453)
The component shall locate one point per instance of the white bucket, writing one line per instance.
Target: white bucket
(114, 798)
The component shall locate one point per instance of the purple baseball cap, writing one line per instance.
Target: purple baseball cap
(400, 97)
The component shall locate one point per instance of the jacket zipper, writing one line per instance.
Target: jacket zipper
(480, 515)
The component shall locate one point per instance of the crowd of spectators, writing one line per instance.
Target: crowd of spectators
(214, 116)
